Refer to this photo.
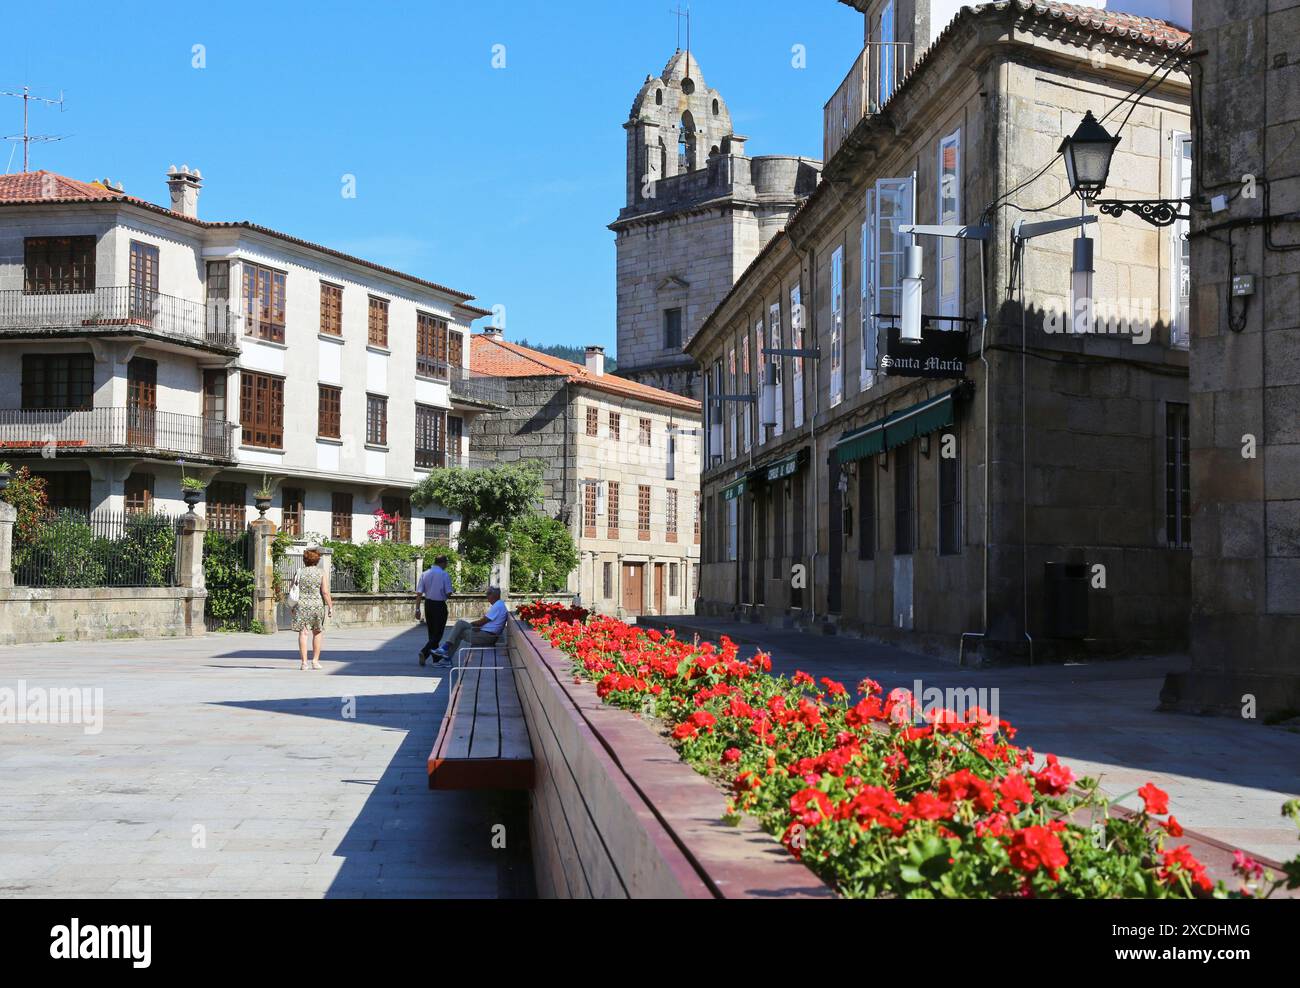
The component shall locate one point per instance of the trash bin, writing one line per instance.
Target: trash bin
(1067, 600)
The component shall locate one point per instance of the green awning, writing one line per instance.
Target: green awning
(787, 466)
(734, 489)
(894, 430)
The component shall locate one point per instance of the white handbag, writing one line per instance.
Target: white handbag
(294, 592)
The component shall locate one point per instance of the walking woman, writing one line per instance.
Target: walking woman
(314, 605)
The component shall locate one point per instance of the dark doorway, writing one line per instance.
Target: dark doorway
(835, 551)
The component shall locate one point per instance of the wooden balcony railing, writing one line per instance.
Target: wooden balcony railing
(88, 431)
(120, 310)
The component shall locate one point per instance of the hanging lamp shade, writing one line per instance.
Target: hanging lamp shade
(1087, 154)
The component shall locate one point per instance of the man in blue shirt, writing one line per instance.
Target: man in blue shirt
(434, 587)
(476, 634)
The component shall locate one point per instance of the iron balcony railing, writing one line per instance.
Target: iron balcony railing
(119, 310)
(480, 388)
(68, 431)
(872, 80)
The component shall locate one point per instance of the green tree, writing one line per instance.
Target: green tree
(27, 494)
(542, 554)
(488, 500)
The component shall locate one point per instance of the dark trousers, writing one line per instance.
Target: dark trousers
(435, 617)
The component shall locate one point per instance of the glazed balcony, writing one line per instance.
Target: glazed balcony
(872, 80)
(122, 311)
(114, 432)
(483, 390)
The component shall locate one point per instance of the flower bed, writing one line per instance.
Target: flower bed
(553, 610)
(881, 799)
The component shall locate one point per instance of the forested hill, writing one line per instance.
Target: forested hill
(577, 354)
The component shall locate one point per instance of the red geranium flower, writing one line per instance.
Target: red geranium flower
(1037, 847)
(1156, 800)
(1054, 779)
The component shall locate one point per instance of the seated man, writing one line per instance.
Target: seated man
(483, 632)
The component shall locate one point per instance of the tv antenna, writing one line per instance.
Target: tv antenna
(26, 137)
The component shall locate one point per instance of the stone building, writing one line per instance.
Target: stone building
(136, 335)
(1004, 489)
(1245, 362)
(621, 470)
(698, 211)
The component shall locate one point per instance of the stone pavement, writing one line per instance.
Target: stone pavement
(222, 770)
(1226, 778)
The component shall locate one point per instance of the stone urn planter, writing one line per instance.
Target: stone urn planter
(262, 504)
(4, 479)
(192, 498)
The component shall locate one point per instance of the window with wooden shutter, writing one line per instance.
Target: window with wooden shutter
(226, 506)
(593, 421)
(331, 309)
(399, 508)
(292, 510)
(377, 420)
(430, 439)
(341, 517)
(378, 322)
(643, 512)
(611, 511)
(138, 491)
(589, 509)
(455, 348)
(330, 412)
(430, 346)
(264, 308)
(58, 264)
(261, 410)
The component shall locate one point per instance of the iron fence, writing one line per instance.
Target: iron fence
(102, 549)
(228, 575)
(121, 309)
(126, 428)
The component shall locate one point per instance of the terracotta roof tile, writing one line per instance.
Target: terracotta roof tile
(500, 358)
(42, 185)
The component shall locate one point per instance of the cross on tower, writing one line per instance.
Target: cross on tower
(679, 14)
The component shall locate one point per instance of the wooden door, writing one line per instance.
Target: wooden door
(659, 588)
(144, 282)
(215, 432)
(633, 588)
(141, 401)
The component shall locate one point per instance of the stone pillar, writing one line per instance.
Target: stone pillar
(189, 570)
(374, 577)
(263, 530)
(8, 515)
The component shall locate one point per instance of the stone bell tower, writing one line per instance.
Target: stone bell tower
(697, 212)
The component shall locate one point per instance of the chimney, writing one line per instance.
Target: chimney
(184, 185)
(596, 360)
(495, 332)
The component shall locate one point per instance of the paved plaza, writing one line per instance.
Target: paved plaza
(222, 770)
(1226, 778)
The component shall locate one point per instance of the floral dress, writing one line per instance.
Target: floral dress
(310, 612)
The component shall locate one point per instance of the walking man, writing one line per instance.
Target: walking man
(433, 588)
(483, 632)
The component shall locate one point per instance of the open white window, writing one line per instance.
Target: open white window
(1180, 246)
(948, 269)
(893, 209)
(837, 327)
(747, 387)
(796, 366)
(734, 447)
(870, 342)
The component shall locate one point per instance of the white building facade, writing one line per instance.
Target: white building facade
(141, 343)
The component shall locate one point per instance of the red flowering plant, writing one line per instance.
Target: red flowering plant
(879, 796)
(534, 611)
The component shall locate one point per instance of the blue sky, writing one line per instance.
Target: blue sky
(495, 181)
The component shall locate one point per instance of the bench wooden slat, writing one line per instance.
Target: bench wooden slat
(483, 740)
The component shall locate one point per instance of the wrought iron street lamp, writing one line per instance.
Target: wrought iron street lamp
(1087, 154)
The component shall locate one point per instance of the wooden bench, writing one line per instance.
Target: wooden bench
(483, 742)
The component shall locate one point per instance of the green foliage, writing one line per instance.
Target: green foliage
(63, 551)
(27, 494)
(576, 354)
(488, 500)
(229, 581)
(542, 555)
(357, 562)
(465, 576)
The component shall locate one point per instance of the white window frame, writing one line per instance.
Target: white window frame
(870, 360)
(774, 343)
(889, 297)
(1181, 184)
(734, 446)
(837, 326)
(747, 368)
(888, 53)
(948, 296)
(796, 343)
(732, 519)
